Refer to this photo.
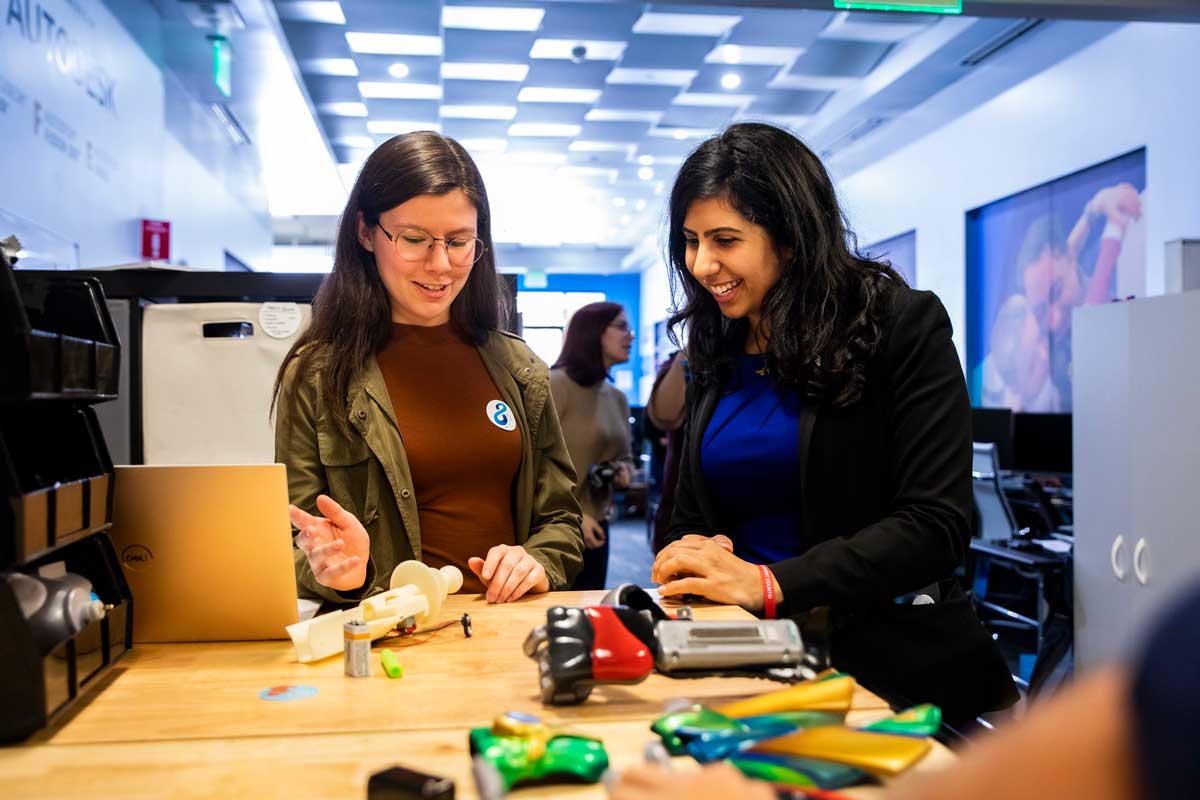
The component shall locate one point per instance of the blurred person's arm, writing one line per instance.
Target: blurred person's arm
(666, 405)
(1077, 744)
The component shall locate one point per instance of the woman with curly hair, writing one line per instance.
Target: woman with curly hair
(827, 444)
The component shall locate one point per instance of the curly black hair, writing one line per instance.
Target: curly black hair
(823, 317)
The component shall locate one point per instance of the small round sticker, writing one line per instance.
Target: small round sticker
(279, 320)
(285, 693)
(501, 415)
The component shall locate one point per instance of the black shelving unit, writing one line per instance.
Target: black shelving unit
(59, 354)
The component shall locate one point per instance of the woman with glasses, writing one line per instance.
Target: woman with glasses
(595, 422)
(827, 443)
(411, 426)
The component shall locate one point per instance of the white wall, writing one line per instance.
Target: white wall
(86, 154)
(1137, 87)
(206, 220)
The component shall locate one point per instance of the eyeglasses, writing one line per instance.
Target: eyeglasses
(413, 244)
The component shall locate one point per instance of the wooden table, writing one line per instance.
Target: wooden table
(186, 720)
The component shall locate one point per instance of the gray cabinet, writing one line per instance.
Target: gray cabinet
(1136, 398)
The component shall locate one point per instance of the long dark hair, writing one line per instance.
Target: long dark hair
(582, 355)
(351, 314)
(823, 317)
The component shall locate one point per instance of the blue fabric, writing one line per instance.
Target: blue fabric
(750, 456)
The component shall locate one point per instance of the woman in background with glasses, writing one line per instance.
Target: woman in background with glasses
(411, 426)
(595, 422)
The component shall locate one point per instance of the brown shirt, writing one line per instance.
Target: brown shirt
(595, 423)
(462, 458)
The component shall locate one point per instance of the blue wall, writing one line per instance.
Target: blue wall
(623, 289)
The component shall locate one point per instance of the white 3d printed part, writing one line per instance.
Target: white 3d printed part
(416, 591)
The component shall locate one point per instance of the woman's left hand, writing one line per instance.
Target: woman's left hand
(623, 475)
(706, 566)
(508, 573)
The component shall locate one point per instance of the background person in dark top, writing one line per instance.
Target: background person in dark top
(827, 446)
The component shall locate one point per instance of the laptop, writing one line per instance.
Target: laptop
(206, 550)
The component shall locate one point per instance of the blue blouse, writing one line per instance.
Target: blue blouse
(750, 456)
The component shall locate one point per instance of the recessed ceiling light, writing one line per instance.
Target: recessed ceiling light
(543, 129)
(587, 146)
(619, 202)
(753, 54)
(395, 44)
(484, 72)
(546, 94)
(645, 173)
(731, 53)
(487, 18)
(479, 112)
(731, 80)
(344, 67)
(400, 91)
(343, 109)
(398, 70)
(645, 160)
(640, 205)
(680, 133)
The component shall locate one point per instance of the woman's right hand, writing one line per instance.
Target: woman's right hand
(593, 533)
(337, 545)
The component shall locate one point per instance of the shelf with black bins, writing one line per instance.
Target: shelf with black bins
(66, 614)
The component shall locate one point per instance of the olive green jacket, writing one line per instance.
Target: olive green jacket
(368, 474)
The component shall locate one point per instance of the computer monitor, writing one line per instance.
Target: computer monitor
(1042, 442)
(994, 425)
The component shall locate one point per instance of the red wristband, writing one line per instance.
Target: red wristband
(768, 587)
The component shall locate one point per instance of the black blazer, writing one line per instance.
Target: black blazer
(887, 504)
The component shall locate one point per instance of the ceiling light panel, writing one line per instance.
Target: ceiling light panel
(479, 112)
(343, 109)
(400, 91)
(652, 77)
(394, 127)
(490, 18)
(329, 66)
(753, 55)
(622, 115)
(686, 24)
(543, 129)
(585, 146)
(564, 49)
(484, 145)
(329, 13)
(718, 99)
(399, 44)
(484, 72)
(547, 94)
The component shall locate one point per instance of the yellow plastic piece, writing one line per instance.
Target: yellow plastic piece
(835, 694)
(878, 753)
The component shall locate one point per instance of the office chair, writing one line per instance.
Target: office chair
(996, 519)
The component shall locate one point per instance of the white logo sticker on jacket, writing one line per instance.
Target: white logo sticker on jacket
(501, 415)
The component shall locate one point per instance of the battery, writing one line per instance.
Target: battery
(357, 648)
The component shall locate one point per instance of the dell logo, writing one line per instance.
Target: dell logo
(137, 557)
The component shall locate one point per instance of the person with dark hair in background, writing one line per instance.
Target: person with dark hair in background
(827, 447)
(411, 426)
(595, 421)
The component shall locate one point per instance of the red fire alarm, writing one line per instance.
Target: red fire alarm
(156, 240)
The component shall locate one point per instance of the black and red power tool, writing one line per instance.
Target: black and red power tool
(628, 636)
